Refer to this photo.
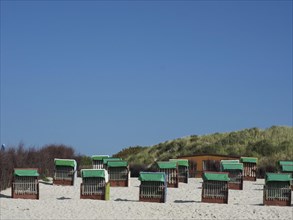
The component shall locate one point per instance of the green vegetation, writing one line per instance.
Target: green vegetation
(269, 146)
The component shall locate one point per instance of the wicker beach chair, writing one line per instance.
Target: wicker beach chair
(119, 174)
(277, 189)
(95, 184)
(215, 187)
(235, 171)
(183, 171)
(288, 169)
(97, 161)
(171, 170)
(25, 184)
(65, 172)
(153, 187)
(249, 168)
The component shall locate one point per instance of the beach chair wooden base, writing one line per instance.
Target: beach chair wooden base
(26, 195)
(95, 197)
(249, 178)
(63, 182)
(157, 200)
(277, 202)
(172, 185)
(236, 186)
(119, 183)
(183, 180)
(215, 200)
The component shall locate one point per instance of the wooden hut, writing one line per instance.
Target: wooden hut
(249, 168)
(171, 170)
(25, 184)
(235, 171)
(215, 187)
(183, 173)
(153, 187)
(277, 189)
(119, 174)
(95, 184)
(97, 161)
(200, 163)
(65, 172)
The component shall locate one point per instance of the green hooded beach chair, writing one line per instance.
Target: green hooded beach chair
(25, 184)
(249, 168)
(277, 189)
(95, 184)
(215, 187)
(153, 187)
(65, 172)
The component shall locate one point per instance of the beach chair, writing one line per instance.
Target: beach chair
(229, 161)
(106, 160)
(65, 172)
(288, 169)
(277, 189)
(285, 163)
(171, 170)
(119, 174)
(183, 171)
(95, 184)
(25, 184)
(235, 171)
(153, 187)
(249, 168)
(215, 187)
(97, 161)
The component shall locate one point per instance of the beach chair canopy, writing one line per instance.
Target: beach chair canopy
(229, 161)
(94, 173)
(232, 166)
(65, 162)
(248, 159)
(152, 176)
(215, 176)
(117, 163)
(180, 162)
(167, 165)
(285, 162)
(278, 177)
(26, 172)
(106, 160)
(99, 157)
(287, 168)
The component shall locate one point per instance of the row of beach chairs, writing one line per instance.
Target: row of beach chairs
(96, 182)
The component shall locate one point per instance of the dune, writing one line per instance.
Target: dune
(63, 202)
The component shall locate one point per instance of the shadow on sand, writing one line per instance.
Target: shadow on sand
(63, 198)
(125, 200)
(4, 196)
(186, 201)
(46, 183)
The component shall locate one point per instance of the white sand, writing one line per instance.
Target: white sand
(63, 202)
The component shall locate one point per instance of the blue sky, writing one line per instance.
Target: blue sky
(101, 76)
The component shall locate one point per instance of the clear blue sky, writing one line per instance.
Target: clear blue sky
(101, 76)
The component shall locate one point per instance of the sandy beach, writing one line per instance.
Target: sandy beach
(63, 202)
